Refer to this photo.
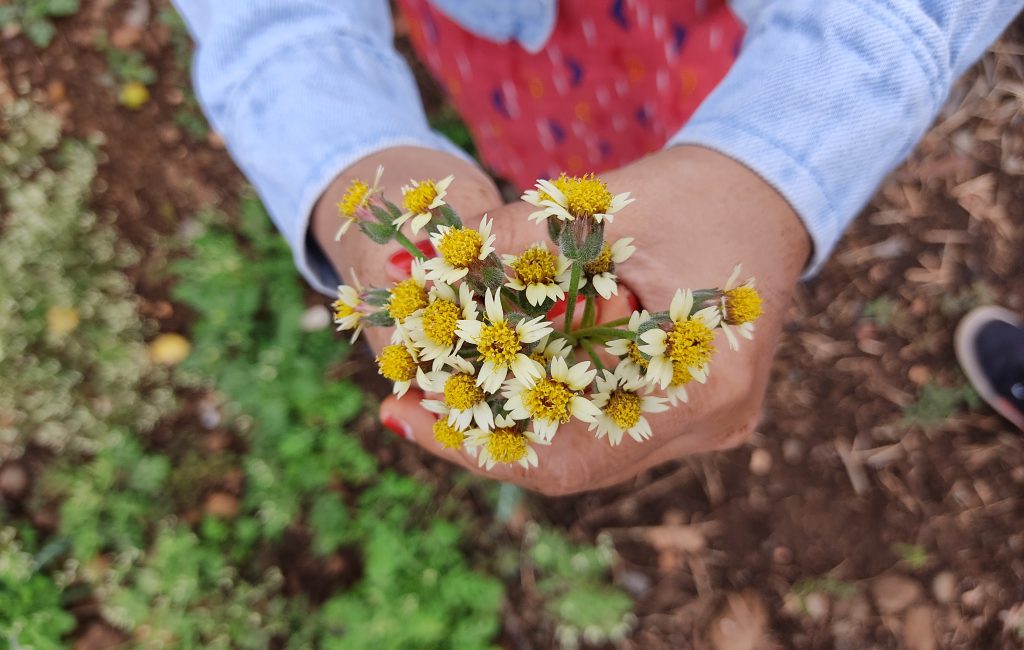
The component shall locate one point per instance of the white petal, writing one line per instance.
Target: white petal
(681, 305)
(492, 306)
(583, 409)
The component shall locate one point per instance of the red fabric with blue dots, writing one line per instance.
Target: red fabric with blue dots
(616, 79)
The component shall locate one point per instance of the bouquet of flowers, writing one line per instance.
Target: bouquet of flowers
(472, 328)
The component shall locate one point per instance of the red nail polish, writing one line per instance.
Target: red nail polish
(401, 261)
(397, 427)
(559, 307)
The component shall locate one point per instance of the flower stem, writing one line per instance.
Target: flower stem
(409, 246)
(570, 300)
(589, 312)
(589, 347)
(594, 332)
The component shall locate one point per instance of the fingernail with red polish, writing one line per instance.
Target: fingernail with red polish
(397, 427)
(400, 262)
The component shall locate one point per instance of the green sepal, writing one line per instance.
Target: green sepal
(493, 274)
(376, 297)
(555, 228)
(379, 319)
(378, 232)
(594, 243)
(448, 216)
(382, 215)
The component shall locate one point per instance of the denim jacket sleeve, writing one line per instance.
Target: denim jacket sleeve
(300, 89)
(827, 96)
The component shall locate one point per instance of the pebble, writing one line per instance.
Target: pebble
(316, 318)
(816, 604)
(792, 450)
(919, 629)
(895, 593)
(13, 480)
(944, 587)
(761, 462)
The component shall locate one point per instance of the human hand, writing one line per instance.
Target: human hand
(697, 214)
(473, 192)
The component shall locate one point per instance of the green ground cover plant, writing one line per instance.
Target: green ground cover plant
(85, 401)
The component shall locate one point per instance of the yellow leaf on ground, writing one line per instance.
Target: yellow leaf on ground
(61, 321)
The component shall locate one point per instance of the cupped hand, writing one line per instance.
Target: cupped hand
(697, 214)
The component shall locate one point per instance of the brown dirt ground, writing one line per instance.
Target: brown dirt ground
(711, 547)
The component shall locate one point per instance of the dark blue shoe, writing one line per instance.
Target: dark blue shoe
(990, 348)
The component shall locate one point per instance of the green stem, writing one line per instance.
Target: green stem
(615, 323)
(589, 312)
(570, 300)
(409, 246)
(590, 332)
(588, 346)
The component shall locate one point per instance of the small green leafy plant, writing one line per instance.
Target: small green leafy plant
(574, 582)
(34, 17)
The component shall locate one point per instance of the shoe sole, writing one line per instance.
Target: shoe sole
(966, 333)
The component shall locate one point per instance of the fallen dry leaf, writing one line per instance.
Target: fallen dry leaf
(894, 593)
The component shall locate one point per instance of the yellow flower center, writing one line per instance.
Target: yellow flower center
(439, 321)
(689, 343)
(601, 264)
(460, 247)
(447, 435)
(680, 375)
(549, 400)
(742, 305)
(623, 408)
(461, 392)
(636, 356)
(537, 265)
(507, 445)
(341, 310)
(353, 198)
(396, 363)
(585, 195)
(418, 199)
(499, 343)
(406, 297)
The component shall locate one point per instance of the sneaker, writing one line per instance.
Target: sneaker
(990, 348)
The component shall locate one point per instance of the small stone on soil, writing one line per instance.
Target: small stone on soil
(894, 593)
(944, 587)
(761, 462)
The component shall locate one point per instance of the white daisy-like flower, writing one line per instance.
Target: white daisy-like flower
(623, 406)
(540, 273)
(432, 329)
(356, 199)
(553, 399)
(601, 270)
(740, 306)
(419, 199)
(463, 402)
(575, 197)
(632, 362)
(548, 348)
(502, 345)
(347, 314)
(688, 342)
(505, 444)
(399, 364)
(409, 296)
(458, 249)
